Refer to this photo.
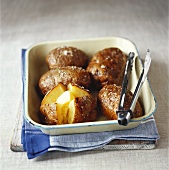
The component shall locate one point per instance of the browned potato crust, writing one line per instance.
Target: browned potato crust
(65, 75)
(85, 109)
(108, 100)
(49, 113)
(107, 67)
(66, 56)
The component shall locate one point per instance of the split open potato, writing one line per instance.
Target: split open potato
(68, 104)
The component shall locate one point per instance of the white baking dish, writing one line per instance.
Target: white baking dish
(35, 65)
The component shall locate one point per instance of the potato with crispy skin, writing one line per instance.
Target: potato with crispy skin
(107, 67)
(66, 56)
(71, 104)
(65, 75)
(82, 109)
(48, 114)
(48, 104)
(109, 98)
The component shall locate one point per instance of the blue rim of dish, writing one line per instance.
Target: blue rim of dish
(86, 124)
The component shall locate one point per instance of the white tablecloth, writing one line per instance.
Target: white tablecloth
(26, 22)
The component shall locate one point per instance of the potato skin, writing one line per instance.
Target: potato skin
(108, 101)
(107, 67)
(65, 75)
(49, 113)
(86, 109)
(66, 56)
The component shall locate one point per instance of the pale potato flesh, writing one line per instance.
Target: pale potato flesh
(62, 104)
(71, 112)
(52, 96)
(77, 91)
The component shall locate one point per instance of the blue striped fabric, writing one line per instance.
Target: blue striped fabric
(36, 143)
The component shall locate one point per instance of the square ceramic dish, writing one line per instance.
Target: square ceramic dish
(35, 65)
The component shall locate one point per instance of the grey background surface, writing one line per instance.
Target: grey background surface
(26, 22)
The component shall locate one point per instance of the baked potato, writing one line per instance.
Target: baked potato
(109, 98)
(66, 56)
(65, 75)
(107, 67)
(68, 104)
(48, 104)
